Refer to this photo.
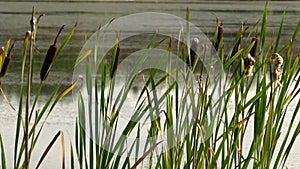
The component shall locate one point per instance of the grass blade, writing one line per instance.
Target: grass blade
(3, 162)
(60, 133)
(145, 155)
(279, 33)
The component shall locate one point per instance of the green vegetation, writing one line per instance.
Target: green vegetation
(31, 120)
(220, 144)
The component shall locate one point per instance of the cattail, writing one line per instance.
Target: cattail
(182, 44)
(6, 61)
(193, 53)
(170, 45)
(277, 62)
(236, 47)
(249, 64)
(50, 57)
(117, 58)
(254, 48)
(1, 56)
(219, 36)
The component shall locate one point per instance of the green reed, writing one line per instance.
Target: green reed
(222, 144)
(31, 118)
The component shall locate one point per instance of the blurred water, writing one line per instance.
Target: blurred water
(15, 16)
(90, 14)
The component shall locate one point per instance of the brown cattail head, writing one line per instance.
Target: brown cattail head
(193, 53)
(117, 59)
(236, 47)
(50, 57)
(254, 48)
(219, 36)
(182, 44)
(6, 61)
(5, 66)
(170, 45)
(48, 61)
(249, 64)
(277, 62)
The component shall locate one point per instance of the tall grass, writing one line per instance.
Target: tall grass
(246, 136)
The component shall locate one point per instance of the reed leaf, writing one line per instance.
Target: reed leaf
(61, 134)
(143, 156)
(233, 58)
(20, 119)
(115, 57)
(65, 92)
(72, 162)
(263, 27)
(3, 158)
(279, 33)
(65, 42)
(295, 32)
(6, 49)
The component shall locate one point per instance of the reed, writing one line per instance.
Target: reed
(260, 90)
(30, 117)
(219, 34)
(116, 58)
(227, 143)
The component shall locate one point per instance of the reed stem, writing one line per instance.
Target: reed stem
(27, 122)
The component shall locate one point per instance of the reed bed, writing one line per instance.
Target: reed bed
(250, 65)
(256, 63)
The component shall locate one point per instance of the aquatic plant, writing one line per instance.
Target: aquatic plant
(262, 114)
(31, 118)
(249, 131)
(51, 53)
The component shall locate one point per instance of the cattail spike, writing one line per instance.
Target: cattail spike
(6, 61)
(170, 45)
(50, 57)
(278, 62)
(236, 47)
(182, 44)
(5, 66)
(254, 48)
(249, 64)
(219, 36)
(48, 61)
(193, 53)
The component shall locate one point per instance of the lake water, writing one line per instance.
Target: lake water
(15, 16)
